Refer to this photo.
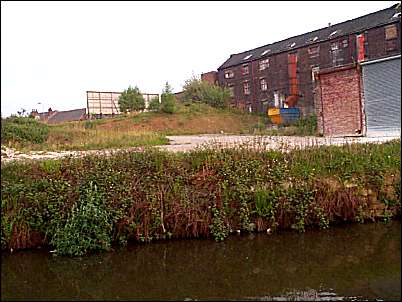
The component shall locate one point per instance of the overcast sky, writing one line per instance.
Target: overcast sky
(53, 52)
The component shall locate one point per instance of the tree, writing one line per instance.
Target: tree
(131, 100)
(23, 112)
(196, 90)
(168, 104)
(154, 104)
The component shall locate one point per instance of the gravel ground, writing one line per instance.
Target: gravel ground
(185, 143)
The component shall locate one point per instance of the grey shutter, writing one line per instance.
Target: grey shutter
(382, 96)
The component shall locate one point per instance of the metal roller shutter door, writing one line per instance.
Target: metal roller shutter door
(382, 96)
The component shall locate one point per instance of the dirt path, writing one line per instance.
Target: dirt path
(184, 143)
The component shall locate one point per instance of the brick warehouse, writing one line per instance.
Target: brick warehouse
(284, 72)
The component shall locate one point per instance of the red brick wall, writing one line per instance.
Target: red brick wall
(211, 77)
(277, 74)
(340, 101)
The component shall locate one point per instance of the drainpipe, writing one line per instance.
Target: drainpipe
(322, 105)
(362, 129)
(291, 100)
(252, 78)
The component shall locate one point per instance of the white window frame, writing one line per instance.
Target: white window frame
(244, 68)
(314, 51)
(246, 88)
(264, 64)
(263, 84)
(229, 74)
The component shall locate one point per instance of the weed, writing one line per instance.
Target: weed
(85, 204)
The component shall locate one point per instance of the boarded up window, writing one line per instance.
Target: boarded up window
(390, 32)
(391, 45)
(314, 52)
(391, 38)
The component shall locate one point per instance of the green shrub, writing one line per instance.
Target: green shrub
(131, 100)
(23, 130)
(88, 225)
(154, 104)
(201, 91)
(168, 100)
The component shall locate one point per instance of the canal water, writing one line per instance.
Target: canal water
(348, 262)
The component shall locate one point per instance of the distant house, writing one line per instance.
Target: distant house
(210, 77)
(54, 116)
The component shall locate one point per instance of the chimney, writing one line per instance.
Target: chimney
(329, 24)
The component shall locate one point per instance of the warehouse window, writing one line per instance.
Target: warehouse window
(391, 38)
(229, 74)
(246, 88)
(264, 64)
(336, 53)
(244, 69)
(314, 52)
(314, 72)
(263, 84)
(390, 32)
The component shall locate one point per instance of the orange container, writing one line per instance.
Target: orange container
(275, 115)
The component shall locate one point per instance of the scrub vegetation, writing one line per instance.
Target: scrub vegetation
(80, 205)
(131, 130)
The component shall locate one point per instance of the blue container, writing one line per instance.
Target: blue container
(289, 115)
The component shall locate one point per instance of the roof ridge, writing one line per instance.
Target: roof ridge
(332, 25)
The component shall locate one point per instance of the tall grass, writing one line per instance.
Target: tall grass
(29, 134)
(77, 205)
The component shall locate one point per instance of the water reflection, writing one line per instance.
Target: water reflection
(348, 262)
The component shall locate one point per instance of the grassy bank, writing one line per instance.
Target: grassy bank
(82, 204)
(143, 129)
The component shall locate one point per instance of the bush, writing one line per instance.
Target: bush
(131, 100)
(88, 226)
(85, 204)
(23, 130)
(200, 91)
(168, 100)
(154, 104)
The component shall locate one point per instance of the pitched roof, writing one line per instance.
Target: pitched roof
(359, 24)
(67, 116)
